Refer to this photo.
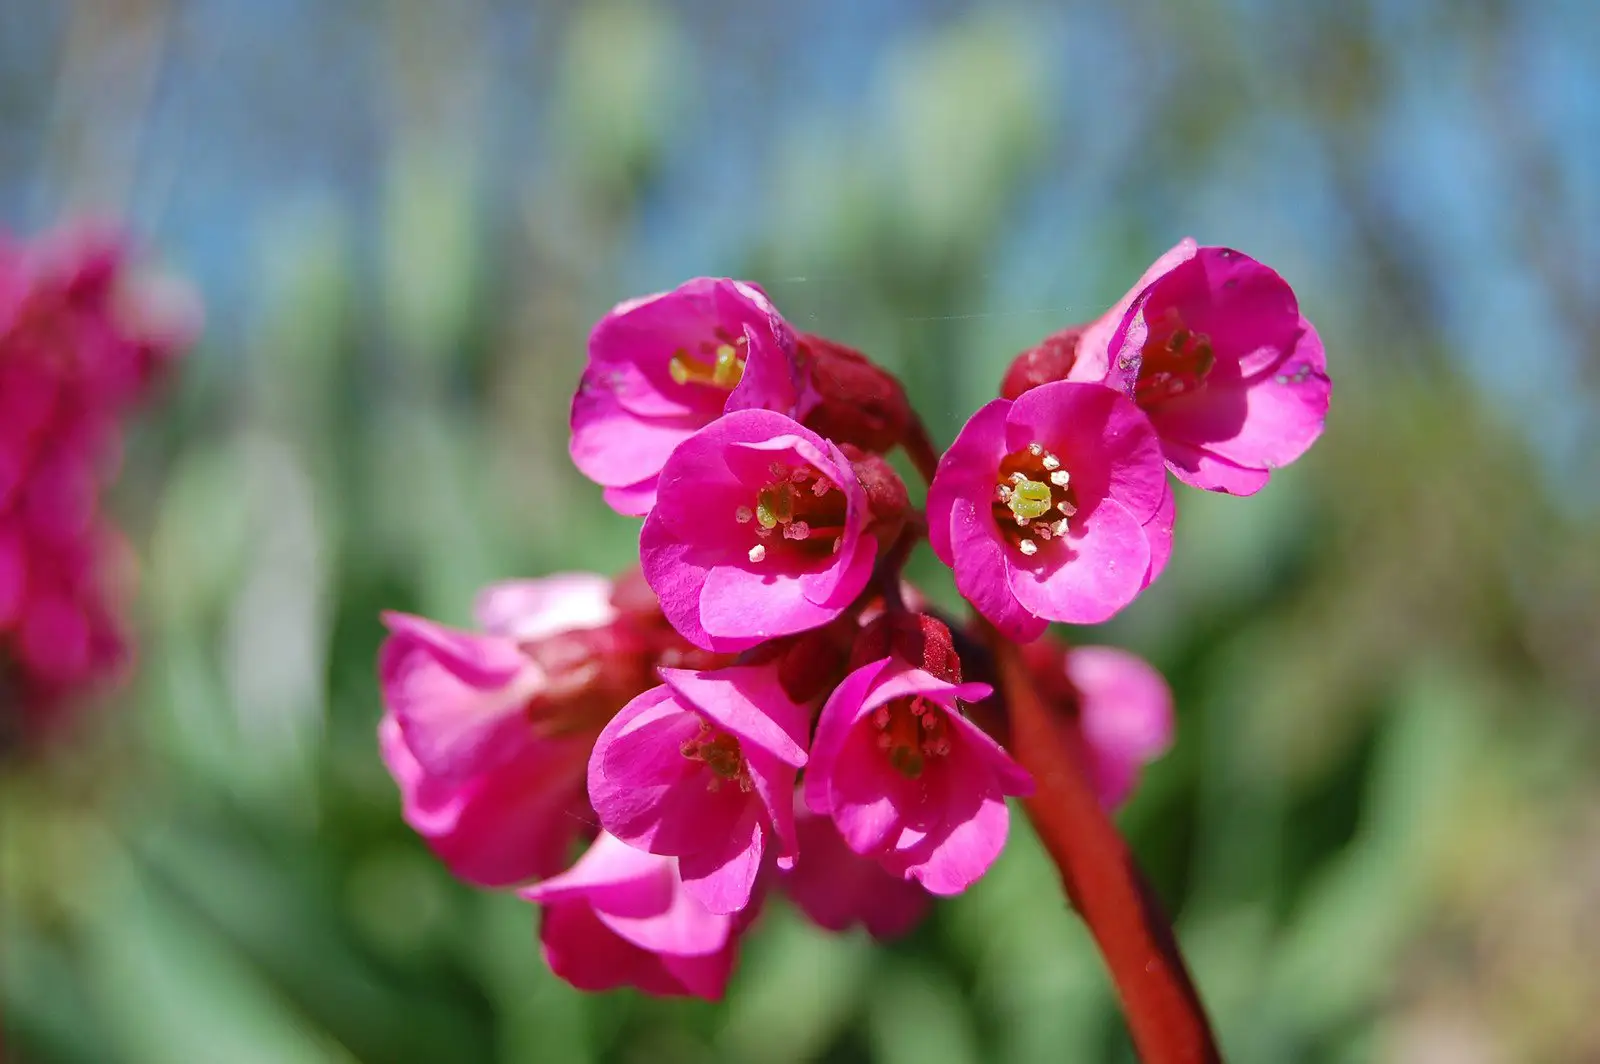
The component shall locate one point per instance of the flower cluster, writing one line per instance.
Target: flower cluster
(763, 703)
(81, 339)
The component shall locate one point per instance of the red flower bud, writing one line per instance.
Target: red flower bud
(857, 401)
(887, 501)
(916, 638)
(1049, 361)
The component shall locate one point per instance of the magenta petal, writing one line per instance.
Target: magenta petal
(1110, 558)
(686, 929)
(966, 470)
(1262, 422)
(839, 713)
(1204, 470)
(1124, 716)
(965, 853)
(611, 445)
(646, 792)
(643, 882)
(525, 610)
(748, 701)
(1102, 437)
(703, 977)
(1158, 533)
(722, 878)
(984, 573)
(458, 697)
(836, 887)
(867, 796)
(1092, 362)
(499, 829)
(590, 956)
(1010, 777)
(633, 500)
(741, 607)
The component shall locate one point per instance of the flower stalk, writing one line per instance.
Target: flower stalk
(1103, 881)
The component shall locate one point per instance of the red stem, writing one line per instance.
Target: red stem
(1165, 1017)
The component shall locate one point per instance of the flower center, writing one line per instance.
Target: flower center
(718, 365)
(800, 506)
(911, 730)
(1175, 361)
(1033, 498)
(718, 751)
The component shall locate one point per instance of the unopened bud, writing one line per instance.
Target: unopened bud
(916, 638)
(887, 501)
(1050, 360)
(858, 401)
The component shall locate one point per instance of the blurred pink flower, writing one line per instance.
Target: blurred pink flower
(1052, 507)
(666, 365)
(1124, 717)
(82, 336)
(908, 780)
(759, 530)
(837, 888)
(703, 769)
(487, 734)
(621, 917)
(1212, 345)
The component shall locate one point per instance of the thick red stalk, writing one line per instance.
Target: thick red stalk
(1165, 1017)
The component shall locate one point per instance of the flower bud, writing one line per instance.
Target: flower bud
(917, 638)
(1050, 360)
(856, 401)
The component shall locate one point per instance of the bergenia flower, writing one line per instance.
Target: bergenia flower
(544, 666)
(664, 366)
(703, 769)
(1052, 507)
(1213, 347)
(1124, 716)
(759, 530)
(509, 824)
(908, 780)
(82, 337)
(487, 734)
(621, 917)
(838, 888)
(1115, 710)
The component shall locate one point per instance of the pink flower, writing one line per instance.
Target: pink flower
(838, 888)
(621, 917)
(1124, 716)
(1115, 708)
(759, 530)
(664, 366)
(81, 338)
(1212, 346)
(506, 825)
(908, 780)
(487, 734)
(1052, 507)
(703, 769)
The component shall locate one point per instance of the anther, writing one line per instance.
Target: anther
(1050, 462)
(796, 530)
(1060, 527)
(1028, 547)
(1060, 478)
(1036, 449)
(758, 553)
(743, 515)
